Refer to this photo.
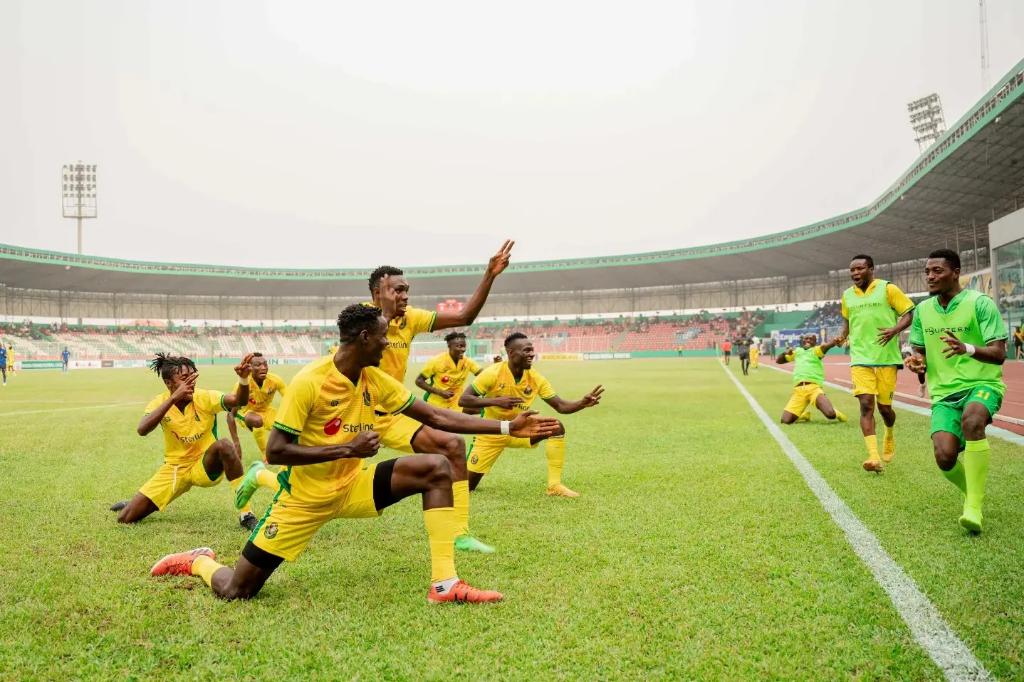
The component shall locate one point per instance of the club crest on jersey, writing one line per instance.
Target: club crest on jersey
(445, 379)
(335, 403)
(366, 397)
(270, 531)
(527, 390)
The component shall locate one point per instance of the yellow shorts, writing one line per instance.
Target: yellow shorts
(484, 451)
(802, 397)
(173, 480)
(396, 431)
(288, 525)
(262, 434)
(876, 381)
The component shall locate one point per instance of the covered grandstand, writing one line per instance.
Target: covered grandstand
(972, 175)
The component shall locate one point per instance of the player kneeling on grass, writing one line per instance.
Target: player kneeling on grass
(323, 433)
(507, 388)
(959, 340)
(808, 379)
(193, 454)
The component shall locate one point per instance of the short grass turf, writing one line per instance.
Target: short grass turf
(696, 550)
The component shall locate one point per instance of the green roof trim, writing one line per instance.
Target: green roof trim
(1009, 89)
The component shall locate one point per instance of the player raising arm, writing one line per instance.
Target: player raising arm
(389, 290)
(808, 380)
(960, 343)
(507, 388)
(324, 431)
(193, 455)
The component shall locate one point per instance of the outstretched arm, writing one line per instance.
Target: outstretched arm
(568, 407)
(783, 357)
(465, 317)
(525, 425)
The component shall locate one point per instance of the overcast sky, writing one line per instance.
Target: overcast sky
(352, 134)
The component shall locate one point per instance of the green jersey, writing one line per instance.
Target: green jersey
(807, 365)
(868, 312)
(973, 318)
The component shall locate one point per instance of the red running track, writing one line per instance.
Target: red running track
(837, 370)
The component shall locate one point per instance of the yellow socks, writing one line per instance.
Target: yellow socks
(460, 498)
(205, 567)
(888, 442)
(872, 445)
(267, 479)
(555, 451)
(956, 476)
(440, 523)
(247, 509)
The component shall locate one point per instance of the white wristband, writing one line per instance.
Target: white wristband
(971, 350)
(504, 428)
(243, 382)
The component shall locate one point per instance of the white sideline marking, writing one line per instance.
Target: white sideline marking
(65, 409)
(926, 624)
(990, 430)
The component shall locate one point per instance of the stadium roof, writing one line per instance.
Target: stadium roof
(973, 174)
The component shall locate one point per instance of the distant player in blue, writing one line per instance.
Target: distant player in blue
(64, 357)
(3, 362)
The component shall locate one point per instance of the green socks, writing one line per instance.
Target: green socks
(956, 476)
(975, 460)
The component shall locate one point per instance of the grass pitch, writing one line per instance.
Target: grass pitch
(696, 551)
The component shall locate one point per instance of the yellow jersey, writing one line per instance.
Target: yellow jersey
(401, 331)
(261, 398)
(322, 407)
(442, 372)
(188, 434)
(497, 381)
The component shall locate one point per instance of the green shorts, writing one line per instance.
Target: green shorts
(948, 413)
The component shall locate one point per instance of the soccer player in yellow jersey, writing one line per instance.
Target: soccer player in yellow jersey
(324, 431)
(390, 292)
(874, 313)
(443, 376)
(258, 414)
(755, 353)
(188, 417)
(507, 388)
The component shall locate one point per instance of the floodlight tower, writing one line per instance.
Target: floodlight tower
(983, 25)
(78, 193)
(927, 120)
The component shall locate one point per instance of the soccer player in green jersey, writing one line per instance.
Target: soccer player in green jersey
(960, 342)
(874, 313)
(808, 379)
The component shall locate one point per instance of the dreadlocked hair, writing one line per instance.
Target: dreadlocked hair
(166, 365)
(356, 319)
(380, 273)
(451, 336)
